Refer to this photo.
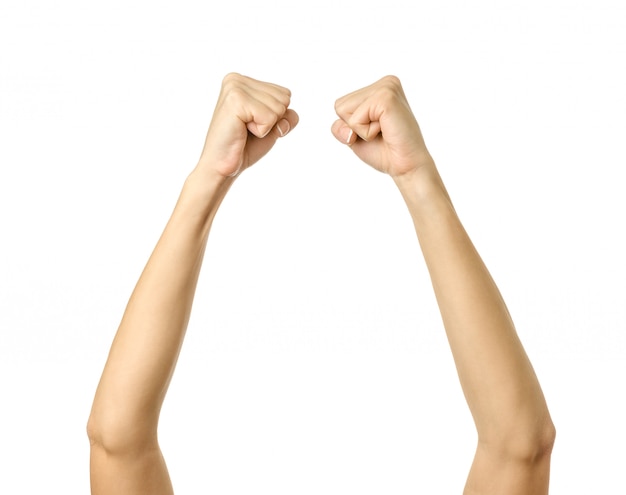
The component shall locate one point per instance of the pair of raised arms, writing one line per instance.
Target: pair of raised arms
(515, 431)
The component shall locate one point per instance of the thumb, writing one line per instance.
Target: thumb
(343, 133)
(257, 147)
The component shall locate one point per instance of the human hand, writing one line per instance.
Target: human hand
(377, 123)
(249, 117)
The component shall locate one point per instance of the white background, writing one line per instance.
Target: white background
(315, 360)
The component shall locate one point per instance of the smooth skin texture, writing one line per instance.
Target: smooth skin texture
(515, 431)
(125, 456)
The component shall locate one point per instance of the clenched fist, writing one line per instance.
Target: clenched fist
(249, 117)
(377, 122)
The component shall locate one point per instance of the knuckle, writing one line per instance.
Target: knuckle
(235, 93)
(390, 87)
(266, 116)
(391, 81)
(356, 125)
(282, 99)
(282, 108)
(231, 79)
(389, 92)
(273, 118)
(338, 105)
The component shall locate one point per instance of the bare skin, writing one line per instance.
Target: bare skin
(125, 456)
(515, 432)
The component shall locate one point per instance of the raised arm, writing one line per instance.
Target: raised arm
(515, 432)
(125, 456)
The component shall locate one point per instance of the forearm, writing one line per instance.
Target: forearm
(498, 381)
(146, 347)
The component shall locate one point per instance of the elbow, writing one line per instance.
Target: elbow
(91, 431)
(539, 445)
(523, 443)
(549, 437)
(96, 434)
(117, 437)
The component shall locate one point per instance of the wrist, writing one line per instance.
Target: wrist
(425, 195)
(204, 191)
(421, 184)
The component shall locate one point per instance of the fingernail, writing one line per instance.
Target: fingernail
(286, 125)
(349, 136)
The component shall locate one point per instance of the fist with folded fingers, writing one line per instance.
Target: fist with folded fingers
(249, 117)
(379, 126)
